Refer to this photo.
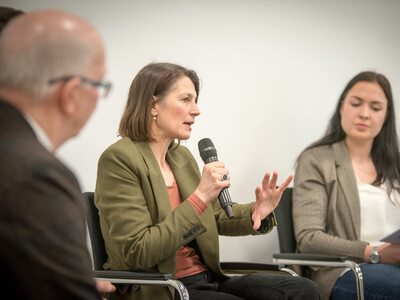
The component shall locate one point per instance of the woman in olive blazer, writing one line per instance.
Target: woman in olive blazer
(141, 230)
(131, 187)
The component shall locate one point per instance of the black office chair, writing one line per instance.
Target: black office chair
(121, 277)
(287, 245)
(142, 278)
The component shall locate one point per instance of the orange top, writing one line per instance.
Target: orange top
(187, 261)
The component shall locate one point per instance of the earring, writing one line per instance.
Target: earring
(154, 118)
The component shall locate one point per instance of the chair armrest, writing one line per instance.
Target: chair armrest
(142, 278)
(131, 275)
(310, 259)
(249, 266)
(310, 256)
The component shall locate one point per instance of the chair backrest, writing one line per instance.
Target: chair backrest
(283, 214)
(96, 238)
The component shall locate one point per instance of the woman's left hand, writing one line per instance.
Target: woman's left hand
(268, 197)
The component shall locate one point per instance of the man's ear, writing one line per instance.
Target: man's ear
(69, 96)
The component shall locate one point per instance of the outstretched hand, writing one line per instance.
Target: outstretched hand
(268, 197)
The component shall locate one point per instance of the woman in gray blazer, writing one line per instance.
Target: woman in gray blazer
(346, 192)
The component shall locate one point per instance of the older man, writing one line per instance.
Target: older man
(52, 65)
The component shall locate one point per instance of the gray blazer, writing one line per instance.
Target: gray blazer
(326, 210)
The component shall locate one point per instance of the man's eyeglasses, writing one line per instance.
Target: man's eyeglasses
(103, 86)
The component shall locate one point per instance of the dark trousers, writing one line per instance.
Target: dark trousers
(205, 286)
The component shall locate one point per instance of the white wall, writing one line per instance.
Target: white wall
(271, 73)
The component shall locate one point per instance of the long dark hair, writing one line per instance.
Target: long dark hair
(385, 148)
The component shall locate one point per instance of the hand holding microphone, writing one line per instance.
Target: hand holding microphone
(208, 154)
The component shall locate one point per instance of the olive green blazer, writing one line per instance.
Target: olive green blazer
(326, 210)
(140, 230)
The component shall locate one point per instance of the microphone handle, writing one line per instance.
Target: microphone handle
(226, 202)
(223, 197)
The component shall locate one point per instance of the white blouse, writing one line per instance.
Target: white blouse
(380, 215)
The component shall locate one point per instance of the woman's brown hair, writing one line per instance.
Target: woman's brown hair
(154, 80)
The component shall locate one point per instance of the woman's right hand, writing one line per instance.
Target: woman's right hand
(389, 253)
(211, 182)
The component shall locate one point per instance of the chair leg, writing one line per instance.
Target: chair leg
(181, 289)
(359, 280)
(291, 272)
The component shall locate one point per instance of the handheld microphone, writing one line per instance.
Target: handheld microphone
(208, 154)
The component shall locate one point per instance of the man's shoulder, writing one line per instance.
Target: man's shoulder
(24, 159)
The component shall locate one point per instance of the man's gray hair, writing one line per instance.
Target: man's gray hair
(29, 65)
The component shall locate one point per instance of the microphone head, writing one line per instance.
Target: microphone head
(207, 150)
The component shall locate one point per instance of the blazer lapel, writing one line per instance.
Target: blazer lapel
(185, 176)
(188, 180)
(186, 183)
(347, 181)
(157, 182)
